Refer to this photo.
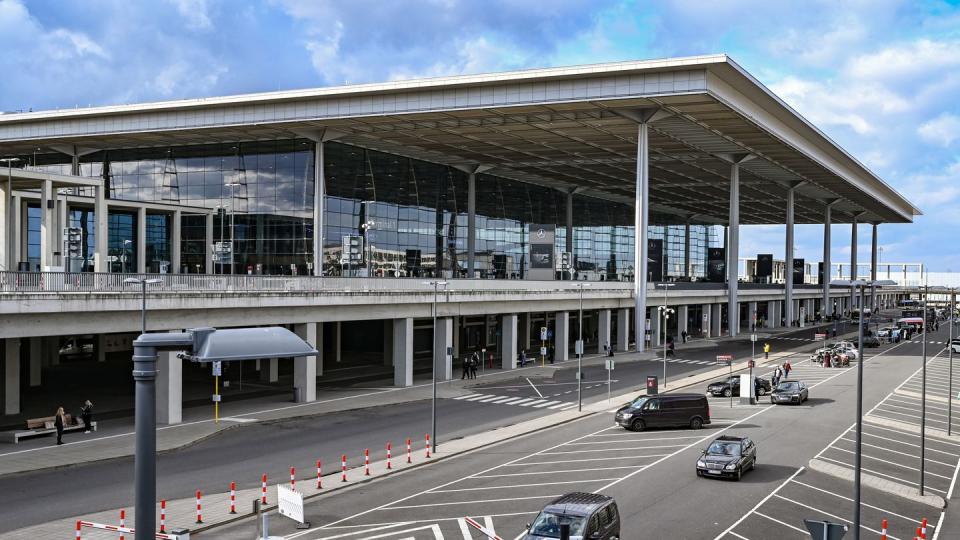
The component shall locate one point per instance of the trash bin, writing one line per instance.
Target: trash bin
(297, 392)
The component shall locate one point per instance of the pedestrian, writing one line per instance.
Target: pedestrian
(826, 359)
(775, 378)
(466, 368)
(552, 352)
(786, 369)
(523, 358)
(670, 347)
(766, 351)
(683, 336)
(86, 413)
(473, 366)
(60, 421)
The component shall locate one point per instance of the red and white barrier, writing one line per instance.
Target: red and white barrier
(483, 530)
(918, 535)
(366, 462)
(293, 477)
(343, 468)
(389, 465)
(123, 520)
(78, 531)
(263, 489)
(199, 508)
(119, 529)
(163, 516)
(233, 497)
(428, 445)
(319, 475)
(409, 452)
(883, 530)
(923, 529)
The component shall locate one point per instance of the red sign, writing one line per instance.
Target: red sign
(724, 359)
(750, 363)
(820, 336)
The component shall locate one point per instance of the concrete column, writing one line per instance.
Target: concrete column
(403, 352)
(51, 347)
(733, 250)
(773, 315)
(100, 348)
(269, 370)
(873, 267)
(788, 258)
(208, 266)
(827, 302)
(17, 248)
(60, 210)
(561, 336)
(752, 315)
(7, 239)
(11, 377)
(443, 338)
(336, 341)
(569, 247)
(524, 331)
(319, 203)
(655, 329)
(623, 330)
(471, 223)
(36, 362)
(715, 320)
(305, 367)
(706, 320)
(641, 219)
(853, 261)
(683, 319)
(686, 249)
(456, 337)
(169, 388)
(603, 330)
(388, 342)
(508, 339)
(100, 230)
(46, 225)
(140, 243)
(176, 235)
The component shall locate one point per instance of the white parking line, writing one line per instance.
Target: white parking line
(520, 485)
(888, 462)
(834, 516)
(761, 514)
(549, 472)
(474, 501)
(581, 460)
(877, 508)
(912, 456)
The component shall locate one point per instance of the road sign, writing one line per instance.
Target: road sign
(751, 363)
(610, 364)
(819, 336)
(543, 333)
(223, 248)
(217, 371)
(543, 351)
(724, 359)
(652, 387)
(824, 530)
(753, 337)
(578, 347)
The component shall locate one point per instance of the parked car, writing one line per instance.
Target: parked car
(790, 392)
(955, 345)
(664, 410)
(728, 456)
(885, 332)
(731, 387)
(589, 515)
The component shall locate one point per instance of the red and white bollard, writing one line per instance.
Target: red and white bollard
(199, 510)
(123, 520)
(78, 530)
(263, 489)
(343, 468)
(293, 477)
(923, 529)
(366, 462)
(428, 445)
(389, 465)
(917, 536)
(163, 516)
(319, 475)
(883, 530)
(409, 452)
(233, 497)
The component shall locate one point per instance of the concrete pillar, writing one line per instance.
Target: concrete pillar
(456, 337)
(319, 346)
(11, 376)
(388, 342)
(508, 339)
(683, 319)
(524, 331)
(403, 352)
(853, 261)
(561, 336)
(140, 243)
(269, 370)
(100, 348)
(336, 341)
(169, 388)
(52, 350)
(752, 315)
(176, 234)
(443, 338)
(733, 250)
(788, 258)
(656, 318)
(7, 240)
(569, 221)
(36, 362)
(827, 302)
(706, 320)
(18, 240)
(471, 223)
(773, 315)
(60, 210)
(100, 230)
(623, 330)
(305, 367)
(641, 219)
(209, 267)
(603, 330)
(46, 225)
(715, 320)
(319, 203)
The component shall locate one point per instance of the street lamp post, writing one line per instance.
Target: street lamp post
(665, 313)
(367, 227)
(233, 185)
(923, 392)
(580, 285)
(433, 403)
(125, 254)
(143, 298)
(953, 303)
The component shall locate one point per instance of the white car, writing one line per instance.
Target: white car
(885, 332)
(955, 345)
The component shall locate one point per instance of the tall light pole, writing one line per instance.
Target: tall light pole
(232, 185)
(665, 312)
(923, 392)
(143, 298)
(433, 404)
(580, 285)
(953, 304)
(367, 227)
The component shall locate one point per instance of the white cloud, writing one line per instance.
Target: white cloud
(905, 61)
(942, 130)
(179, 78)
(195, 12)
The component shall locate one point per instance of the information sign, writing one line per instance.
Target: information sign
(726, 359)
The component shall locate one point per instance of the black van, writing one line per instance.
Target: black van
(588, 515)
(664, 410)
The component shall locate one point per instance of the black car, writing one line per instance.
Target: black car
(728, 457)
(589, 515)
(731, 386)
(790, 392)
(664, 410)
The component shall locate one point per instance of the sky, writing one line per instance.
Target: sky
(880, 77)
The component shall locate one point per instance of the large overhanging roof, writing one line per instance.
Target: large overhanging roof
(574, 129)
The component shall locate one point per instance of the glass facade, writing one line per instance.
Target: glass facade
(411, 214)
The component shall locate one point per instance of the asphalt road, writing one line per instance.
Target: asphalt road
(651, 473)
(243, 453)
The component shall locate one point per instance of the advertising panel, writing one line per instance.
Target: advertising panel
(716, 264)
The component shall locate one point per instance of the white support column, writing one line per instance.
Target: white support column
(18, 240)
(853, 261)
(305, 367)
(208, 266)
(788, 259)
(52, 350)
(561, 336)
(733, 251)
(36, 362)
(270, 370)
(715, 320)
(11, 377)
(471, 223)
(773, 315)
(752, 315)
(169, 388)
(456, 337)
(140, 244)
(319, 207)
(508, 339)
(60, 221)
(827, 273)
(403, 352)
(623, 330)
(388, 342)
(873, 267)
(46, 225)
(683, 319)
(100, 230)
(176, 234)
(641, 219)
(603, 330)
(443, 335)
(655, 330)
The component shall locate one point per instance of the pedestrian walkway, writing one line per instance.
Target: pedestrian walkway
(494, 399)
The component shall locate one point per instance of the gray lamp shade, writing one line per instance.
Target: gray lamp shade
(211, 345)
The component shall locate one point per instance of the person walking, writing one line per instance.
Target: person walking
(523, 358)
(826, 359)
(465, 366)
(474, 363)
(786, 369)
(86, 414)
(766, 351)
(777, 373)
(670, 347)
(683, 336)
(60, 422)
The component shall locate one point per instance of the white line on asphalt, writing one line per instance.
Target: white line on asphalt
(913, 456)
(938, 441)
(619, 449)
(888, 439)
(560, 406)
(738, 535)
(891, 463)
(466, 396)
(636, 440)
(759, 504)
(953, 484)
(546, 404)
(523, 402)
(521, 485)
(488, 399)
(878, 473)
(877, 508)
(512, 401)
(761, 514)
(433, 520)
(535, 389)
(834, 516)
(550, 472)
(409, 507)
(534, 403)
(581, 460)
(375, 529)
(478, 396)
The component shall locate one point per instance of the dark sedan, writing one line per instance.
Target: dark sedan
(790, 392)
(728, 457)
(731, 387)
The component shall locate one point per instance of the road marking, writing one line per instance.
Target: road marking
(877, 508)
(759, 504)
(535, 389)
(912, 456)
(581, 460)
(545, 404)
(520, 485)
(780, 522)
(550, 472)
(871, 471)
(807, 506)
(475, 501)
(888, 462)
(620, 449)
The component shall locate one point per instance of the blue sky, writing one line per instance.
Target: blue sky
(880, 77)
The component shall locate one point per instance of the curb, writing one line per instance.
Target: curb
(903, 426)
(869, 480)
(918, 395)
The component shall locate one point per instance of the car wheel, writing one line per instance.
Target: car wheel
(637, 425)
(699, 473)
(739, 475)
(761, 391)
(727, 393)
(696, 423)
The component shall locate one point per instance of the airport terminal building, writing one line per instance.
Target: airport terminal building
(339, 211)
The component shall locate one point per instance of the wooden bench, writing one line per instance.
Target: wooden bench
(43, 426)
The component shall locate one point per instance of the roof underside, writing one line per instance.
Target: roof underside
(583, 145)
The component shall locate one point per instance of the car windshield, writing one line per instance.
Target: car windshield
(788, 387)
(548, 524)
(724, 448)
(637, 403)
